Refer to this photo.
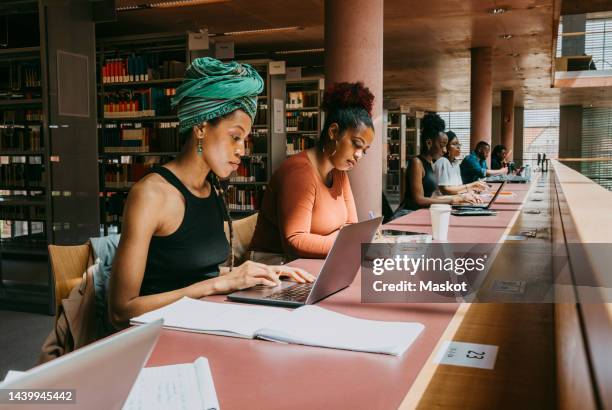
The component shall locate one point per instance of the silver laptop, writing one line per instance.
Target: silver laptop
(477, 209)
(338, 272)
(99, 375)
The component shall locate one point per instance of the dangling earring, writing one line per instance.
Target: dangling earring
(199, 148)
(335, 148)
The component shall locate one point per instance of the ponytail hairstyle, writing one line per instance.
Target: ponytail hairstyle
(349, 105)
(214, 181)
(432, 127)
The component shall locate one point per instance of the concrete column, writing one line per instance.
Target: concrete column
(354, 52)
(507, 121)
(519, 118)
(481, 96)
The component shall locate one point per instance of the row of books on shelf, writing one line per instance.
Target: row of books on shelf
(21, 212)
(393, 179)
(10, 229)
(145, 102)
(20, 138)
(297, 144)
(160, 137)
(19, 75)
(21, 116)
(302, 121)
(393, 133)
(251, 169)
(393, 118)
(393, 148)
(243, 199)
(137, 68)
(301, 99)
(120, 176)
(21, 174)
(393, 162)
(261, 117)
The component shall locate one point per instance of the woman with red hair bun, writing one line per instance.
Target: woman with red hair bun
(309, 197)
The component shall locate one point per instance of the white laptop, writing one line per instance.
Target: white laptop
(100, 375)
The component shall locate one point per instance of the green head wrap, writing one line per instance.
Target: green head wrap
(212, 89)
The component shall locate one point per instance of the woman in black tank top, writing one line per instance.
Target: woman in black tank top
(173, 239)
(420, 178)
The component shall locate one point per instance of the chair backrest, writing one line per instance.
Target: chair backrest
(243, 234)
(68, 264)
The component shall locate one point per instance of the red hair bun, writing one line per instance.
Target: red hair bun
(347, 95)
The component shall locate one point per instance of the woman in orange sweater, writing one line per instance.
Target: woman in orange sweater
(309, 197)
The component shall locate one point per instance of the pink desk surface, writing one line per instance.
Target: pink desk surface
(256, 374)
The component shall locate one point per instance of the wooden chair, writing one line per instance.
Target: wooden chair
(243, 234)
(68, 264)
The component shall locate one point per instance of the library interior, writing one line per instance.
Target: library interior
(412, 199)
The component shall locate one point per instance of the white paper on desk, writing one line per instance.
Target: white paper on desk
(186, 386)
(217, 318)
(315, 326)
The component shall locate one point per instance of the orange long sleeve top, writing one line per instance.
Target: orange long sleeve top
(300, 215)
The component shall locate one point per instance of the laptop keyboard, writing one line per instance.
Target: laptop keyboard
(296, 293)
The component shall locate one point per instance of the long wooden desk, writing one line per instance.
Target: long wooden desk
(257, 374)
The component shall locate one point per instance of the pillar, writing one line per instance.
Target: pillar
(481, 96)
(354, 52)
(507, 121)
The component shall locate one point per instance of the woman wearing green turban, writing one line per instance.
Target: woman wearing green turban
(173, 239)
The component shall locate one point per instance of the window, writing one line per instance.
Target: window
(540, 134)
(597, 142)
(459, 122)
(598, 42)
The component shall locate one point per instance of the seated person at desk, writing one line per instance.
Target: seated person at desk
(474, 166)
(498, 157)
(448, 173)
(421, 182)
(309, 197)
(173, 239)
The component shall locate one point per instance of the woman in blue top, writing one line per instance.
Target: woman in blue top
(173, 239)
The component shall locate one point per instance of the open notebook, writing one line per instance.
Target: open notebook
(308, 325)
(185, 386)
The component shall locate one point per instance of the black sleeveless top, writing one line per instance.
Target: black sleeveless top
(430, 184)
(194, 251)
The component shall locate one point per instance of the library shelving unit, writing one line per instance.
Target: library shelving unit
(402, 143)
(45, 127)
(137, 129)
(393, 133)
(303, 115)
(137, 77)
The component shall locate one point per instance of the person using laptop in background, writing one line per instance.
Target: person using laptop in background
(309, 197)
(474, 166)
(173, 239)
(448, 173)
(498, 157)
(420, 178)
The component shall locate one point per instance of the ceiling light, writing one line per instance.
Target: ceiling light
(513, 55)
(497, 10)
(517, 68)
(183, 3)
(262, 31)
(304, 51)
(506, 36)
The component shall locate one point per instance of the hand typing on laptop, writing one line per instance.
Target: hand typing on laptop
(251, 274)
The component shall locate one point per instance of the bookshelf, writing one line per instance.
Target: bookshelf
(47, 159)
(303, 115)
(402, 142)
(394, 121)
(137, 129)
